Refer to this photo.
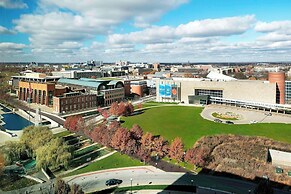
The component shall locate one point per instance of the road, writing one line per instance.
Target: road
(146, 176)
(149, 175)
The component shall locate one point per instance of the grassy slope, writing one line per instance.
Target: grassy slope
(114, 161)
(186, 122)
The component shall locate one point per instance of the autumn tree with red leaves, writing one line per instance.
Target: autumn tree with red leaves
(2, 163)
(121, 108)
(147, 141)
(103, 112)
(74, 123)
(159, 147)
(120, 139)
(136, 132)
(98, 134)
(114, 109)
(176, 150)
(129, 109)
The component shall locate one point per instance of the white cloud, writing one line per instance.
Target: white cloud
(282, 27)
(13, 4)
(4, 30)
(141, 11)
(155, 34)
(62, 22)
(11, 46)
(201, 28)
(217, 27)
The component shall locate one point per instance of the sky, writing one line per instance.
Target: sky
(145, 30)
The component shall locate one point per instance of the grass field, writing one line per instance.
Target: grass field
(186, 122)
(114, 161)
(62, 134)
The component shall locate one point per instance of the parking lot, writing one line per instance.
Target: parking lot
(247, 116)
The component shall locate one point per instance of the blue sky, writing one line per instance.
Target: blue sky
(145, 30)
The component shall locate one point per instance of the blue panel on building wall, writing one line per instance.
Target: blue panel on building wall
(168, 90)
(162, 90)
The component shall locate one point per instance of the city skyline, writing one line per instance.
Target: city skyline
(152, 31)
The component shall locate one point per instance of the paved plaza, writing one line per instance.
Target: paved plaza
(247, 116)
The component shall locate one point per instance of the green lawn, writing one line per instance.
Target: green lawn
(62, 134)
(13, 183)
(186, 122)
(114, 161)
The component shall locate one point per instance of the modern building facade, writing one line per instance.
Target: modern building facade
(265, 95)
(139, 88)
(279, 79)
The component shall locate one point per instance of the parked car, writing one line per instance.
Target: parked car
(111, 182)
(229, 122)
(217, 120)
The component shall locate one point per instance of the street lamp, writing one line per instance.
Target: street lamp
(130, 185)
(192, 184)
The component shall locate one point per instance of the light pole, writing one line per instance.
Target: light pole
(130, 185)
(192, 184)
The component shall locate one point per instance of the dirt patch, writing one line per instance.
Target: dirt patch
(243, 156)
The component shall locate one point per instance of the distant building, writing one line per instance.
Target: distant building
(33, 77)
(139, 88)
(77, 74)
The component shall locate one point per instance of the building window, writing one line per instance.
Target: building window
(212, 93)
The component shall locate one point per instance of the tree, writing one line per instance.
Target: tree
(132, 147)
(61, 187)
(103, 112)
(121, 108)
(144, 154)
(64, 188)
(136, 132)
(2, 163)
(129, 109)
(54, 154)
(114, 109)
(34, 137)
(176, 150)
(76, 189)
(190, 156)
(146, 141)
(74, 123)
(12, 151)
(98, 134)
(159, 146)
(197, 156)
(120, 139)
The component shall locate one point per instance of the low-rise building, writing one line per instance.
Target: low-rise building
(73, 101)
